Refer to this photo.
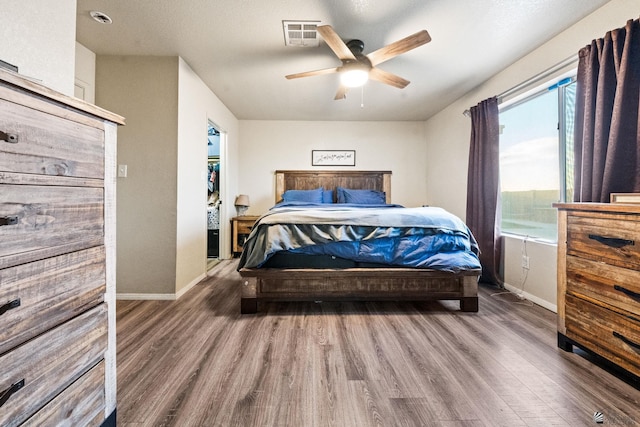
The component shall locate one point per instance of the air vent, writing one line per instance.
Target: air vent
(301, 33)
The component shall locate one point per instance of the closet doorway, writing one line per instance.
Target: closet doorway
(214, 193)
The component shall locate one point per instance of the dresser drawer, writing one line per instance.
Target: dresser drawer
(81, 404)
(613, 336)
(244, 227)
(616, 286)
(41, 221)
(49, 145)
(605, 238)
(48, 292)
(51, 362)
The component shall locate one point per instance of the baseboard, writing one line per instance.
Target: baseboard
(534, 299)
(167, 297)
(194, 282)
(132, 296)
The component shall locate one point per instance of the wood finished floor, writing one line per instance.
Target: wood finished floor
(198, 362)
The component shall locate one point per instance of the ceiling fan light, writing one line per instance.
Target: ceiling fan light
(354, 78)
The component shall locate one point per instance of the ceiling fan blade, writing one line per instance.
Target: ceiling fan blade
(388, 78)
(401, 46)
(334, 41)
(341, 93)
(312, 73)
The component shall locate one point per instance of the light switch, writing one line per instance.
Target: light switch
(122, 171)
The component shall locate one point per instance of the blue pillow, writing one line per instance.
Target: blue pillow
(362, 197)
(327, 196)
(312, 196)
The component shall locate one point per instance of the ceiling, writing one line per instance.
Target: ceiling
(237, 48)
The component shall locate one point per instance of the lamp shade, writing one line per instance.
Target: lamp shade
(354, 78)
(242, 200)
(354, 74)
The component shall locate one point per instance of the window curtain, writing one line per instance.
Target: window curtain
(607, 129)
(483, 213)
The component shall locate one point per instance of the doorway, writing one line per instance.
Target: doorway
(214, 179)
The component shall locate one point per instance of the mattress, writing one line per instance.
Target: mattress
(373, 235)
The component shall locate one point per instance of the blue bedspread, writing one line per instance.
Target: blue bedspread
(426, 237)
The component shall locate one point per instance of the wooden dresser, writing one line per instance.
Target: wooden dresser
(57, 257)
(599, 281)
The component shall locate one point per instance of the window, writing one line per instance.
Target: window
(536, 160)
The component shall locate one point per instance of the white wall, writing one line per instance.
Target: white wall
(38, 36)
(448, 133)
(196, 106)
(85, 74)
(267, 146)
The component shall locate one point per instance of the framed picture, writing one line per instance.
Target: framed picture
(333, 157)
(632, 198)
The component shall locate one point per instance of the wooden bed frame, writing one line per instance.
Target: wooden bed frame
(352, 284)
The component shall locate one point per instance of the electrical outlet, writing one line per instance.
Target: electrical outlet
(525, 262)
(122, 171)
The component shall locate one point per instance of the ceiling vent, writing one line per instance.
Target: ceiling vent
(301, 33)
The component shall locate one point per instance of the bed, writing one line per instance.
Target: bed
(290, 276)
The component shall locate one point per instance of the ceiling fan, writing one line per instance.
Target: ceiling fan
(356, 67)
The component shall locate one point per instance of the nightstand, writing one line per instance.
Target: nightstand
(240, 228)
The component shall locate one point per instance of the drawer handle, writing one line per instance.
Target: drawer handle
(10, 391)
(8, 220)
(626, 340)
(628, 292)
(613, 242)
(9, 137)
(8, 306)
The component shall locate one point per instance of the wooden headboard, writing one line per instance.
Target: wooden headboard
(329, 180)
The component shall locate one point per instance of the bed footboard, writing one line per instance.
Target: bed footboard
(357, 284)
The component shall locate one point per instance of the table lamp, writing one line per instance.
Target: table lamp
(242, 204)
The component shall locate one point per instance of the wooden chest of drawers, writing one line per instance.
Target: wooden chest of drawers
(599, 281)
(57, 254)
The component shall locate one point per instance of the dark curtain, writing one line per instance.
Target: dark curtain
(483, 213)
(607, 130)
